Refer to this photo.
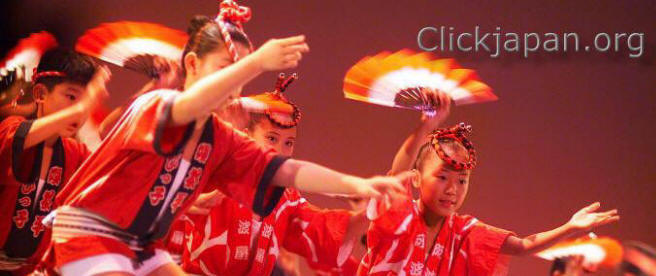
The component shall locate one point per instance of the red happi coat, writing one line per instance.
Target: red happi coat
(24, 198)
(131, 179)
(220, 244)
(397, 245)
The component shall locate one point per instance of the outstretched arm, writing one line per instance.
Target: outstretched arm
(583, 220)
(405, 157)
(213, 90)
(310, 177)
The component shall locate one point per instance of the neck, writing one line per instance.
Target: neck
(188, 82)
(431, 219)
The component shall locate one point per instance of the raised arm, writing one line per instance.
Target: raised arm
(405, 158)
(583, 220)
(168, 77)
(213, 90)
(48, 126)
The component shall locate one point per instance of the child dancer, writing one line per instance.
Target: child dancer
(233, 240)
(38, 155)
(167, 146)
(427, 236)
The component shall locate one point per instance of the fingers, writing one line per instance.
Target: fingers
(395, 183)
(292, 40)
(609, 213)
(592, 207)
(290, 64)
(297, 48)
(296, 56)
(372, 193)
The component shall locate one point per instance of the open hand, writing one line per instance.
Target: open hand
(586, 218)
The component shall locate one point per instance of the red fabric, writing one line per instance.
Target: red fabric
(220, 243)
(10, 187)
(118, 176)
(349, 268)
(397, 245)
(87, 246)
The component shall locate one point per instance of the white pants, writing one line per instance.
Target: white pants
(115, 263)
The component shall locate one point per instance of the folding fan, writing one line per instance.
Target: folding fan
(397, 80)
(133, 45)
(26, 54)
(601, 251)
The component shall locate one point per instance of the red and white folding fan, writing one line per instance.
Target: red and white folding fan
(27, 54)
(133, 45)
(599, 251)
(397, 79)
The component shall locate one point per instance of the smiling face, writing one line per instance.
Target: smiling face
(443, 189)
(61, 96)
(268, 135)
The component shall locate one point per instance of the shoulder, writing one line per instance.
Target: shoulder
(12, 120)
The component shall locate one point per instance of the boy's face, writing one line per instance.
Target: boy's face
(61, 96)
(442, 189)
(268, 135)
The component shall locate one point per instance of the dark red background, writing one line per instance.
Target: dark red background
(569, 129)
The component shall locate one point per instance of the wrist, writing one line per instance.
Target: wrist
(80, 109)
(353, 184)
(254, 62)
(569, 228)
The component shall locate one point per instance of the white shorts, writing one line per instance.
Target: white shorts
(115, 263)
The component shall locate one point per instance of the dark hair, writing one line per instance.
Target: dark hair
(558, 265)
(205, 36)
(77, 67)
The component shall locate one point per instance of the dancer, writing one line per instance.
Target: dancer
(232, 240)
(427, 236)
(39, 155)
(168, 145)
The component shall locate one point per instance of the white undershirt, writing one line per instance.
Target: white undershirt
(39, 187)
(177, 181)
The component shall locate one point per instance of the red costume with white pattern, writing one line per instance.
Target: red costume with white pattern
(24, 199)
(397, 245)
(234, 241)
(136, 183)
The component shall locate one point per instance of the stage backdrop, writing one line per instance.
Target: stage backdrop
(569, 129)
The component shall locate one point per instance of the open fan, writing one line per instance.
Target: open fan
(26, 54)
(133, 45)
(601, 251)
(397, 80)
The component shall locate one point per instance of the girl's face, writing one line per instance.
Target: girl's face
(266, 134)
(198, 68)
(442, 189)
